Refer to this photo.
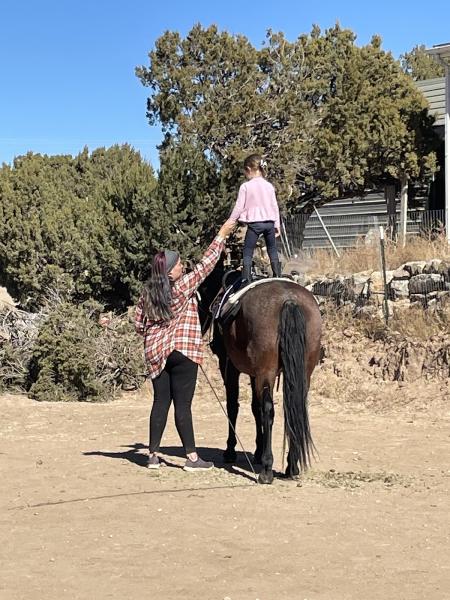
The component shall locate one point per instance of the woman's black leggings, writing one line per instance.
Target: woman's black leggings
(176, 382)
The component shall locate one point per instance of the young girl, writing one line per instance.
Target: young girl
(257, 206)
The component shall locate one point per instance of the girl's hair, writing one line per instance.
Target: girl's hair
(255, 162)
(157, 292)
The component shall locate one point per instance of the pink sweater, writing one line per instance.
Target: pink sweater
(256, 201)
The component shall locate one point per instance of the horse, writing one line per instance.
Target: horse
(276, 329)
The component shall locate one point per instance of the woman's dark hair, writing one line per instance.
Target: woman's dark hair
(157, 292)
(255, 162)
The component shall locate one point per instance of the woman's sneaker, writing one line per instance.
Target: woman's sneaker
(198, 465)
(153, 462)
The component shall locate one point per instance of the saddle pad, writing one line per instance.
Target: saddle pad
(234, 298)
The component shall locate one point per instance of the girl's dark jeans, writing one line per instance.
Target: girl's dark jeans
(254, 231)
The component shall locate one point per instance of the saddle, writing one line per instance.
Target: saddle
(227, 307)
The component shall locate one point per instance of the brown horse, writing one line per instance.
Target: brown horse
(277, 328)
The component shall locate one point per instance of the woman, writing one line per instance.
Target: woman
(167, 317)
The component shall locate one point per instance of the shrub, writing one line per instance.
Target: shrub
(81, 224)
(74, 358)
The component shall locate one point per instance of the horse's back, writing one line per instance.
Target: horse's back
(254, 335)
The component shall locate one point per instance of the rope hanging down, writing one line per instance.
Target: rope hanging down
(229, 422)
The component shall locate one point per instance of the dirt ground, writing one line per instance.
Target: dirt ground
(82, 518)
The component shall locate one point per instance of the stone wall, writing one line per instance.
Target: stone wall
(424, 282)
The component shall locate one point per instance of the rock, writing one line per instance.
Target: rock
(443, 296)
(376, 280)
(444, 270)
(339, 289)
(424, 284)
(418, 298)
(432, 266)
(361, 277)
(414, 267)
(400, 274)
(400, 288)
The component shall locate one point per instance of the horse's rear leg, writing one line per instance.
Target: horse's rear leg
(257, 413)
(231, 379)
(292, 469)
(264, 391)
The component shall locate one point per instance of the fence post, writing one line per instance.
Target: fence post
(327, 232)
(285, 239)
(403, 208)
(389, 194)
(383, 268)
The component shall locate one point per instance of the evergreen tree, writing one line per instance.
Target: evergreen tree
(420, 65)
(332, 118)
(80, 224)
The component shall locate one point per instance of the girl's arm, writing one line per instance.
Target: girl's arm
(275, 208)
(240, 204)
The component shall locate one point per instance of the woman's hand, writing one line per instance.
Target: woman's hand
(227, 228)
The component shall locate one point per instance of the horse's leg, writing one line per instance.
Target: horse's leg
(230, 376)
(264, 390)
(256, 410)
(292, 469)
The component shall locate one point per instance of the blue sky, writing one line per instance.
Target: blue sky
(67, 68)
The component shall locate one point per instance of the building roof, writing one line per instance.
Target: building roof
(434, 92)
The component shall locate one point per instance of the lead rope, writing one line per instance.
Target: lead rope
(229, 422)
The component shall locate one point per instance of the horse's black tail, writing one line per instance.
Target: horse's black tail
(292, 334)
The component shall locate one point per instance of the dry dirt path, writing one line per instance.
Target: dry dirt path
(82, 519)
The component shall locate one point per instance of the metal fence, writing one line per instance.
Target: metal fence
(345, 230)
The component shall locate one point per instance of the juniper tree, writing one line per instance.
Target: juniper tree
(333, 118)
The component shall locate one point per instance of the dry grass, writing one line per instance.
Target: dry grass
(365, 257)
(412, 322)
(417, 323)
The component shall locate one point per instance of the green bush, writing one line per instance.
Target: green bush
(81, 224)
(74, 358)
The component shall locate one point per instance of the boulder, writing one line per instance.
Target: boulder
(444, 270)
(400, 288)
(400, 274)
(361, 277)
(424, 284)
(432, 266)
(414, 267)
(376, 280)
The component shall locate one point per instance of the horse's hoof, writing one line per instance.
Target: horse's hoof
(292, 474)
(265, 478)
(229, 456)
(257, 458)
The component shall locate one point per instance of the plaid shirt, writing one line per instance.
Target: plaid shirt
(182, 332)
